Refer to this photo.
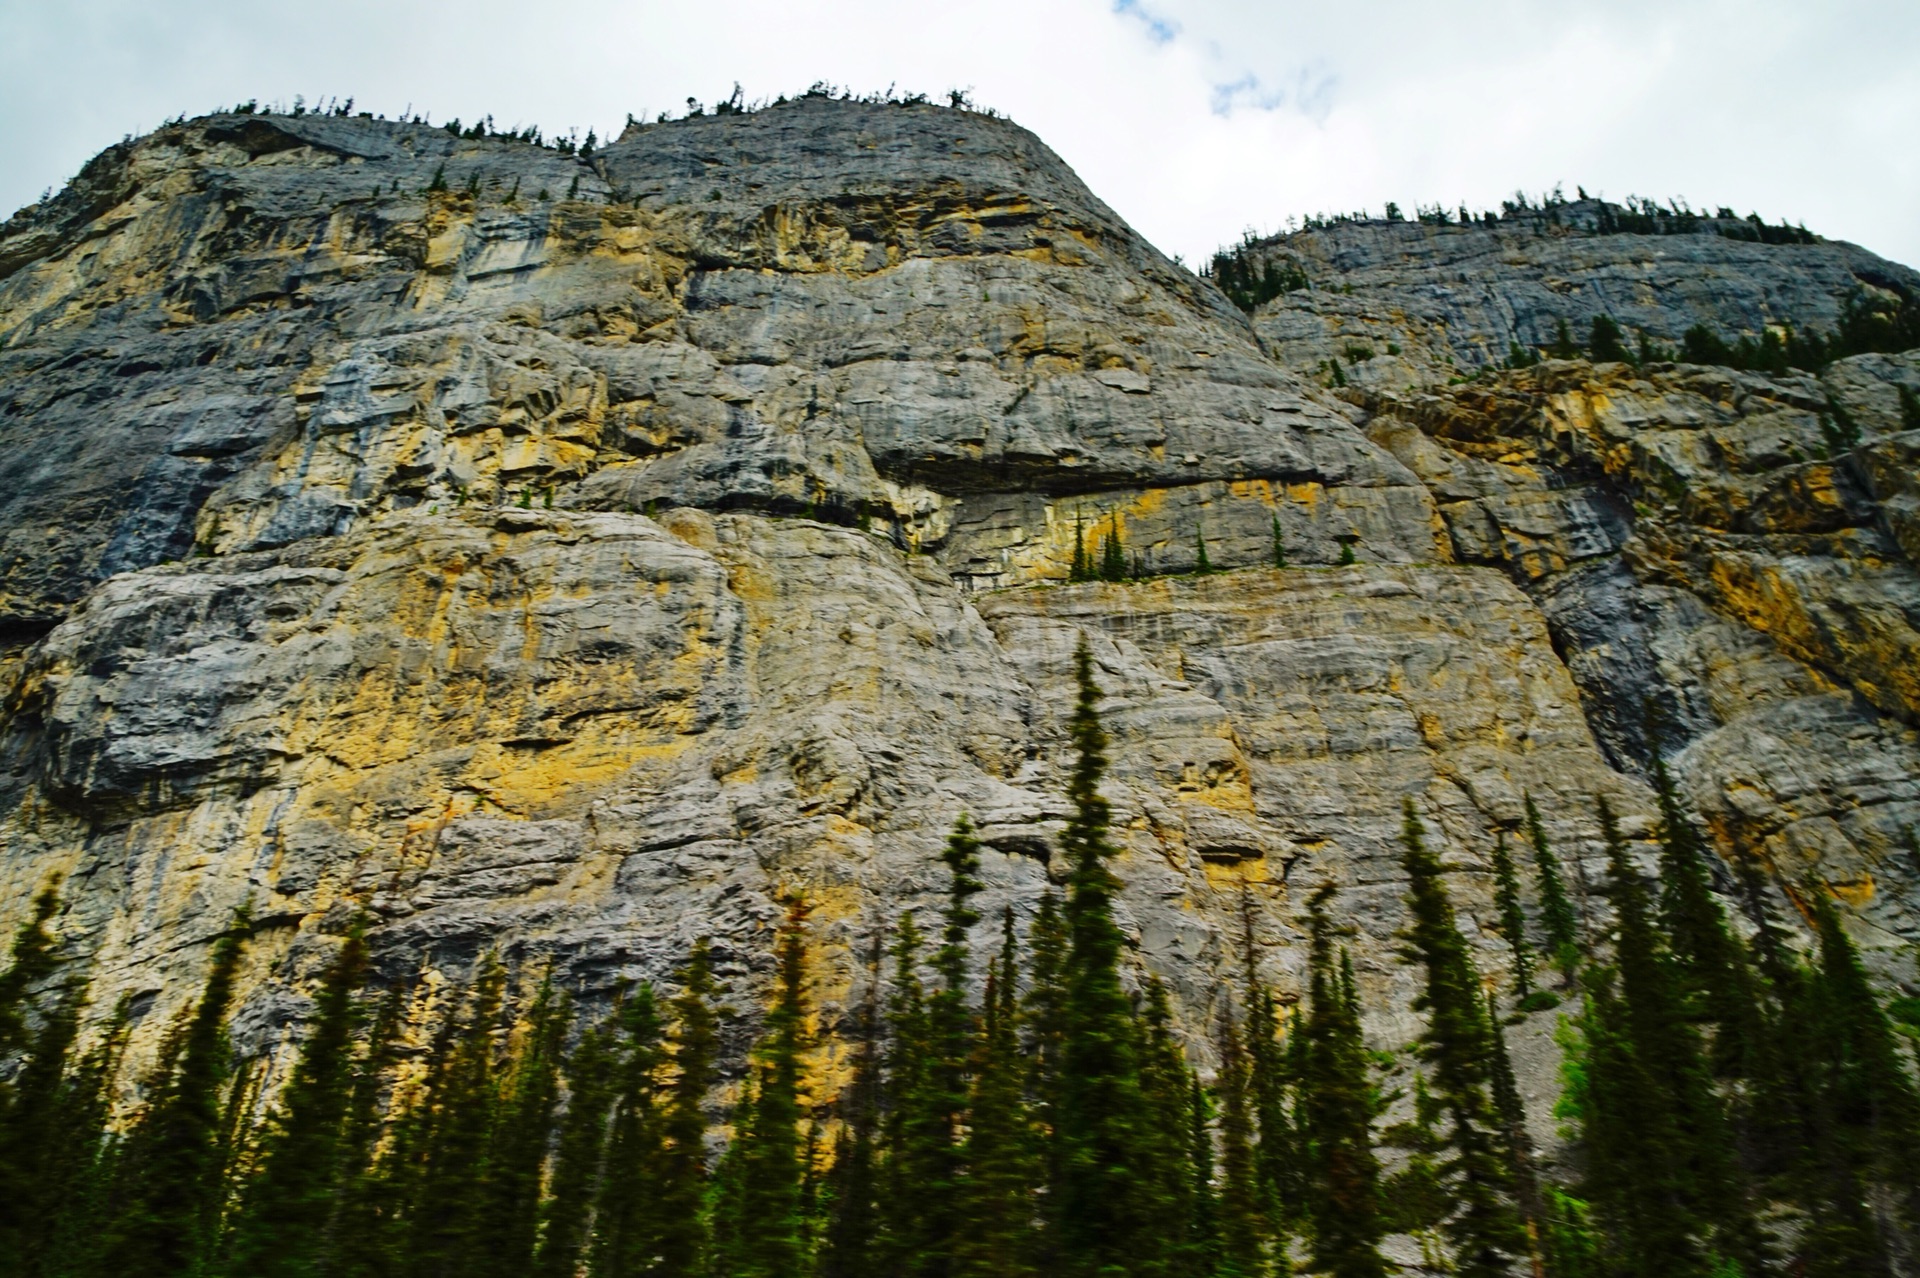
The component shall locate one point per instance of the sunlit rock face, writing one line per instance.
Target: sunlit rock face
(571, 558)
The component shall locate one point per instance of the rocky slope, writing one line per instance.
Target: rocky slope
(567, 557)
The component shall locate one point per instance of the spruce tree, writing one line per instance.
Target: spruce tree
(1201, 564)
(36, 1083)
(994, 1232)
(769, 1232)
(1045, 1020)
(1484, 1230)
(1709, 964)
(1113, 553)
(680, 1239)
(517, 1146)
(628, 1210)
(1242, 1226)
(1278, 1155)
(1166, 1152)
(1416, 1198)
(1279, 545)
(1563, 347)
(1607, 343)
(1203, 1211)
(289, 1202)
(1656, 1134)
(1080, 568)
(1104, 1221)
(850, 1247)
(1513, 918)
(1873, 1098)
(566, 1212)
(909, 1069)
(168, 1189)
(1337, 1119)
(448, 1229)
(1557, 917)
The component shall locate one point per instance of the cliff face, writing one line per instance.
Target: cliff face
(571, 560)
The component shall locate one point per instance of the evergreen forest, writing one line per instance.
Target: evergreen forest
(1735, 1101)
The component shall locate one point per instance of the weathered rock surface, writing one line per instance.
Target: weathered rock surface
(574, 560)
(1426, 302)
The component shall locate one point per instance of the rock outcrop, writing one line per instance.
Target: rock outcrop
(568, 557)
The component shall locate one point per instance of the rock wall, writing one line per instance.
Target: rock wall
(568, 557)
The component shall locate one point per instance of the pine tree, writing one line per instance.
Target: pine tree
(1557, 917)
(1080, 568)
(168, 1188)
(1416, 1196)
(42, 1061)
(1513, 918)
(1337, 1118)
(290, 1200)
(1279, 545)
(1484, 1229)
(1242, 1226)
(1201, 564)
(1102, 1112)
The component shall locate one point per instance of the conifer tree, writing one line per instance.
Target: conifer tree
(1709, 965)
(1337, 1118)
(566, 1212)
(1557, 917)
(1105, 1218)
(1278, 1155)
(1608, 343)
(1203, 1211)
(629, 1220)
(168, 1189)
(680, 1239)
(1113, 553)
(447, 1228)
(850, 1246)
(1045, 1018)
(517, 1145)
(994, 1235)
(1242, 1226)
(1201, 564)
(1563, 347)
(909, 1068)
(1513, 918)
(1279, 545)
(1656, 1135)
(364, 1230)
(1166, 1153)
(1080, 568)
(1416, 1197)
(31, 960)
(1873, 1097)
(1484, 1228)
(290, 1200)
(768, 1233)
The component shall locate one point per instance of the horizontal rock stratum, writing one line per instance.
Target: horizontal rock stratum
(569, 557)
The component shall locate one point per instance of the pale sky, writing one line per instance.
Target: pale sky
(1194, 119)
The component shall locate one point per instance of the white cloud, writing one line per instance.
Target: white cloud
(1193, 118)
